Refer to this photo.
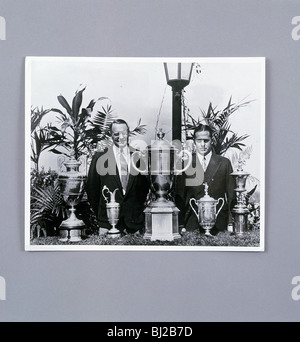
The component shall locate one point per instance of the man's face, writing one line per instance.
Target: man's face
(203, 142)
(119, 134)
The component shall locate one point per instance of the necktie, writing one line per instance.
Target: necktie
(204, 163)
(124, 170)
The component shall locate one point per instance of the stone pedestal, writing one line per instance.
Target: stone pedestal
(161, 223)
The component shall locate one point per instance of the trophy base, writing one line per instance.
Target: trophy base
(161, 237)
(114, 233)
(240, 220)
(161, 223)
(71, 230)
(162, 203)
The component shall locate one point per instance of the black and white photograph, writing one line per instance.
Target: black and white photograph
(144, 154)
(149, 173)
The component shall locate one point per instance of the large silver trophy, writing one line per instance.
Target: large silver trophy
(72, 183)
(161, 214)
(113, 210)
(207, 210)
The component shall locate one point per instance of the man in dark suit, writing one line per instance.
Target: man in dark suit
(212, 169)
(112, 168)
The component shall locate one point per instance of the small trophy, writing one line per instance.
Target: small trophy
(207, 207)
(240, 211)
(113, 210)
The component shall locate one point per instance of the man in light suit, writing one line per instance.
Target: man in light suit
(111, 167)
(207, 167)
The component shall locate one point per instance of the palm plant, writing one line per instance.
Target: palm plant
(139, 129)
(74, 134)
(100, 133)
(46, 202)
(40, 136)
(223, 137)
(79, 133)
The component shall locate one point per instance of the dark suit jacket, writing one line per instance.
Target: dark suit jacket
(104, 171)
(220, 185)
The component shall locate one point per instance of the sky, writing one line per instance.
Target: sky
(136, 89)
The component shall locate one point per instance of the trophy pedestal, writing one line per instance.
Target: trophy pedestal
(71, 228)
(240, 211)
(161, 223)
(240, 219)
(114, 233)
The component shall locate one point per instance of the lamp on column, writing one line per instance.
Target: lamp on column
(178, 76)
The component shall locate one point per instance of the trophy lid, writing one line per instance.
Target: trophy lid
(240, 171)
(160, 143)
(71, 168)
(206, 197)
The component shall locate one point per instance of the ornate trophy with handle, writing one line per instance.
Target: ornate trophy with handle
(113, 210)
(161, 215)
(71, 182)
(207, 207)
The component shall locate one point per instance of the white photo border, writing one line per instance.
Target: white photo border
(28, 99)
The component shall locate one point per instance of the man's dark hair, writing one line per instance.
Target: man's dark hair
(118, 122)
(202, 128)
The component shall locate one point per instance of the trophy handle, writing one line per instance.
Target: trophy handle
(180, 155)
(222, 199)
(191, 205)
(105, 188)
(133, 164)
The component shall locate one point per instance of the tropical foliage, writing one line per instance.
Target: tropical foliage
(47, 208)
(76, 133)
(40, 137)
(223, 137)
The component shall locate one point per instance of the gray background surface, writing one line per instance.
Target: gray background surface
(154, 286)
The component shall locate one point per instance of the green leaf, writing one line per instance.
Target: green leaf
(56, 110)
(139, 129)
(76, 103)
(103, 120)
(55, 151)
(53, 128)
(65, 104)
(36, 117)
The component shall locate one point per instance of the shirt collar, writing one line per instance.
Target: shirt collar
(117, 150)
(207, 157)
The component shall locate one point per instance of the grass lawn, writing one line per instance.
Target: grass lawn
(249, 239)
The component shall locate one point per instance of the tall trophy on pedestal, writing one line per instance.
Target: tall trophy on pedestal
(72, 183)
(113, 210)
(240, 211)
(161, 215)
(207, 210)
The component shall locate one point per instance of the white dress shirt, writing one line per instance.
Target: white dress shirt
(126, 154)
(207, 159)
